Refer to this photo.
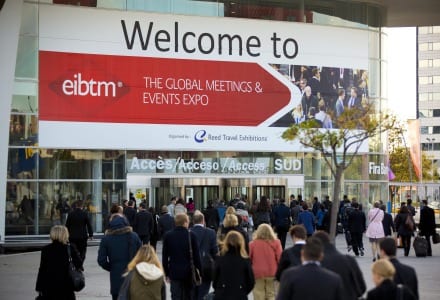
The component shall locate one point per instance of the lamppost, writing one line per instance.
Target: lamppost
(431, 143)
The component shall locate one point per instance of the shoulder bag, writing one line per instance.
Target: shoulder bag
(436, 238)
(76, 276)
(409, 222)
(195, 273)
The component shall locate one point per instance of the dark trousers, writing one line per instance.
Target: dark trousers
(406, 241)
(356, 242)
(428, 239)
(203, 289)
(181, 289)
(81, 246)
(282, 234)
(145, 239)
(347, 236)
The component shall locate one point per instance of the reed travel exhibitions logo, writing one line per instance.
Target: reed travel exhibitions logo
(201, 136)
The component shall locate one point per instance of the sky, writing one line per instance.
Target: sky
(401, 45)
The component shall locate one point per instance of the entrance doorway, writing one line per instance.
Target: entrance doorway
(201, 194)
(158, 190)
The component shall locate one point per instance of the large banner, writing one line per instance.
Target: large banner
(134, 80)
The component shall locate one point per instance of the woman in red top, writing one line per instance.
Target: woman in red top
(264, 252)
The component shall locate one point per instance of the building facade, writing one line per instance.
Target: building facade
(186, 98)
(428, 41)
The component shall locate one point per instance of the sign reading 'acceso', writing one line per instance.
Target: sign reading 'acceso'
(223, 165)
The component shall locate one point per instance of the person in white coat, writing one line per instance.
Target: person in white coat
(375, 230)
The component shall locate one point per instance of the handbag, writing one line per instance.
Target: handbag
(195, 273)
(436, 238)
(409, 223)
(76, 276)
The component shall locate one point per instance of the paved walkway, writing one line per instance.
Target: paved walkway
(18, 273)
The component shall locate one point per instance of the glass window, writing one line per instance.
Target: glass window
(24, 104)
(425, 30)
(436, 63)
(435, 96)
(23, 130)
(436, 113)
(436, 79)
(22, 211)
(425, 80)
(22, 163)
(425, 46)
(80, 164)
(424, 97)
(436, 29)
(436, 129)
(425, 63)
(27, 54)
(424, 113)
(436, 46)
(29, 19)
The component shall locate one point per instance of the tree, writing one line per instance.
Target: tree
(339, 146)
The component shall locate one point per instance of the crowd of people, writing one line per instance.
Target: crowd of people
(325, 94)
(210, 253)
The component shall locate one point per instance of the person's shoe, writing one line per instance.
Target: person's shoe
(374, 259)
(349, 248)
(362, 252)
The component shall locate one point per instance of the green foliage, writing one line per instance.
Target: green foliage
(338, 147)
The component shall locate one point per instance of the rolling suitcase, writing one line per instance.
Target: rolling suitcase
(420, 245)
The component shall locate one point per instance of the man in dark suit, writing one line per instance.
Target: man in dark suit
(310, 281)
(143, 224)
(176, 258)
(427, 224)
(80, 229)
(292, 256)
(315, 82)
(356, 225)
(405, 275)
(353, 101)
(129, 212)
(207, 241)
(165, 222)
(345, 266)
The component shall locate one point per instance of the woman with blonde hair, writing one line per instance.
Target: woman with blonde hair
(144, 278)
(231, 223)
(265, 252)
(53, 281)
(233, 276)
(383, 277)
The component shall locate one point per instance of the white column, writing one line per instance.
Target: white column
(10, 20)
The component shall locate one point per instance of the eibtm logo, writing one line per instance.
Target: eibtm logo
(83, 87)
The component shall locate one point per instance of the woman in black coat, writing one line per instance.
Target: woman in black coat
(403, 230)
(230, 223)
(53, 281)
(383, 274)
(233, 275)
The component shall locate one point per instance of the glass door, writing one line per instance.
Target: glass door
(272, 192)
